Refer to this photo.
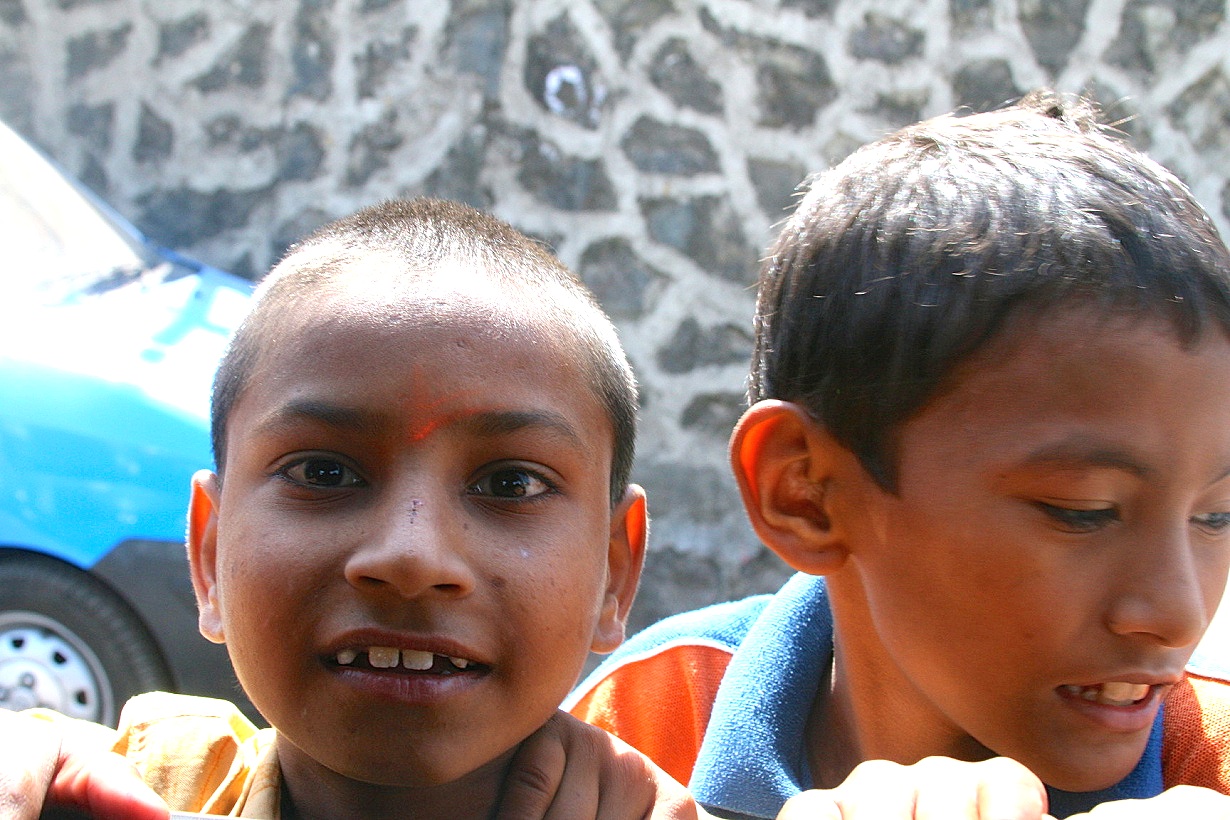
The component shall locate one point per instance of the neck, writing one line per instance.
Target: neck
(311, 792)
(870, 710)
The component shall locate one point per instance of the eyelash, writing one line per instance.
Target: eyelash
(338, 467)
(548, 486)
(295, 472)
(1089, 520)
(1079, 520)
(1213, 523)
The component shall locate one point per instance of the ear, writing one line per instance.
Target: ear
(203, 552)
(625, 556)
(783, 461)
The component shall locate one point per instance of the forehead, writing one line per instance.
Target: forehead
(1081, 374)
(386, 334)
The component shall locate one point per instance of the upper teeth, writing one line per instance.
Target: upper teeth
(387, 657)
(1115, 693)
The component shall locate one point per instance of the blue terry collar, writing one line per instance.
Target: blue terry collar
(752, 760)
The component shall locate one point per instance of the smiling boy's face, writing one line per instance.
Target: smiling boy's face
(1058, 543)
(413, 546)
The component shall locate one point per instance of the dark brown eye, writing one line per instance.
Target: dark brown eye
(321, 472)
(510, 483)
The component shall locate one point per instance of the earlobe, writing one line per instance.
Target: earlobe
(202, 552)
(783, 462)
(625, 557)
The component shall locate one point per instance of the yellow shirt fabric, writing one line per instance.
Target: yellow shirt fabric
(198, 754)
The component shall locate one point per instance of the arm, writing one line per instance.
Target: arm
(45, 764)
(569, 769)
(935, 788)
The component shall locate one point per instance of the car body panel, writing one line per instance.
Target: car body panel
(108, 344)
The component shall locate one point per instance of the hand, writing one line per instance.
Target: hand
(935, 788)
(569, 769)
(44, 765)
(1181, 801)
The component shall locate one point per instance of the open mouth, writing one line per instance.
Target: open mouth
(392, 659)
(1115, 693)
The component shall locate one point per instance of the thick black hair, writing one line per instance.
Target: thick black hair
(424, 235)
(910, 255)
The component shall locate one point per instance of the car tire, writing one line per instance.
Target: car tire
(68, 643)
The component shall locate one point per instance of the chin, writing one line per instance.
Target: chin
(1095, 773)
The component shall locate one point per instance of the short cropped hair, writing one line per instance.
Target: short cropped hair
(423, 235)
(909, 256)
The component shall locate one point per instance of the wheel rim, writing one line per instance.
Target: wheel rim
(43, 663)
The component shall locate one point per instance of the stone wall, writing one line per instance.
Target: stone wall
(652, 143)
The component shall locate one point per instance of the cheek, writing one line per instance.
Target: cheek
(558, 595)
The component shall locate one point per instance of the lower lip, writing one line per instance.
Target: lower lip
(1135, 717)
(414, 688)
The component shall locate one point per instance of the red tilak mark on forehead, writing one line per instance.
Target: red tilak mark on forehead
(421, 431)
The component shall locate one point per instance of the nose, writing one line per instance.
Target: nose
(1161, 597)
(415, 548)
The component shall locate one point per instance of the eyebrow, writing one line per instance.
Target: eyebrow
(486, 424)
(323, 412)
(1081, 452)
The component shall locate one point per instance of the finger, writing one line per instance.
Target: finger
(535, 774)
(45, 765)
(105, 786)
(577, 797)
(817, 804)
(1010, 791)
(28, 759)
(994, 789)
(878, 790)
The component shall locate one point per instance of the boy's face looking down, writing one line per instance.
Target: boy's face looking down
(415, 476)
(1056, 546)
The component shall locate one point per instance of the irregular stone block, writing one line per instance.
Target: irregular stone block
(705, 228)
(244, 63)
(312, 51)
(300, 152)
(371, 148)
(776, 183)
(628, 18)
(1149, 30)
(180, 216)
(656, 147)
(812, 8)
(1053, 28)
(95, 49)
(562, 75)
(1203, 109)
(714, 413)
(970, 14)
(379, 59)
(624, 283)
(683, 80)
(459, 177)
(794, 83)
(693, 346)
(155, 137)
(177, 36)
(984, 84)
(13, 13)
(886, 40)
(564, 182)
(93, 123)
(476, 39)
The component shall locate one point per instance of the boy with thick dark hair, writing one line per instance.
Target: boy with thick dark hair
(420, 525)
(991, 409)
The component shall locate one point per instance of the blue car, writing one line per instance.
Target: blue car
(108, 346)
